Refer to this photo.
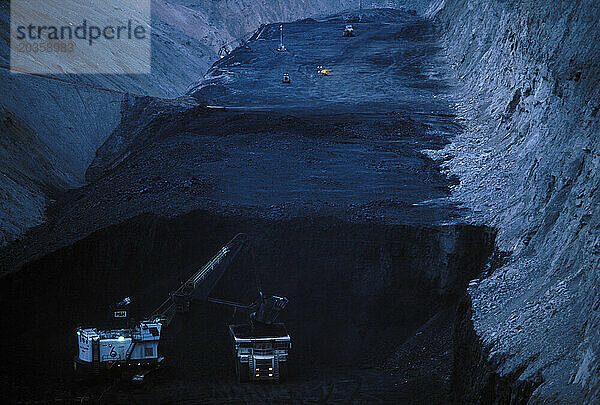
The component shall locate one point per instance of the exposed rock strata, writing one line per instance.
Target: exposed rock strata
(528, 164)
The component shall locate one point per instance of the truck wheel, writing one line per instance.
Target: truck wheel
(283, 372)
(241, 371)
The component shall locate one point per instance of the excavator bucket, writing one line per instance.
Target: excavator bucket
(269, 309)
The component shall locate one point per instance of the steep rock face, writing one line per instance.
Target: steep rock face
(70, 116)
(528, 164)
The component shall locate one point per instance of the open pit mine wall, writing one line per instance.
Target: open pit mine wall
(528, 161)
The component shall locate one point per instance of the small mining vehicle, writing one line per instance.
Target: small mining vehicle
(348, 31)
(132, 349)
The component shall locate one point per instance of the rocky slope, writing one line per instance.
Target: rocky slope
(528, 163)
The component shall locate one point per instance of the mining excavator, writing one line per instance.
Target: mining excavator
(261, 345)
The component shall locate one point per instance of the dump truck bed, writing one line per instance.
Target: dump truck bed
(245, 332)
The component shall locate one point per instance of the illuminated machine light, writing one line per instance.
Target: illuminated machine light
(270, 375)
(270, 368)
(258, 375)
(121, 338)
(78, 333)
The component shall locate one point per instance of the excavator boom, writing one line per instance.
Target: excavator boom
(201, 283)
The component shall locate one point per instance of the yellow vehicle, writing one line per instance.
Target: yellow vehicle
(324, 72)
